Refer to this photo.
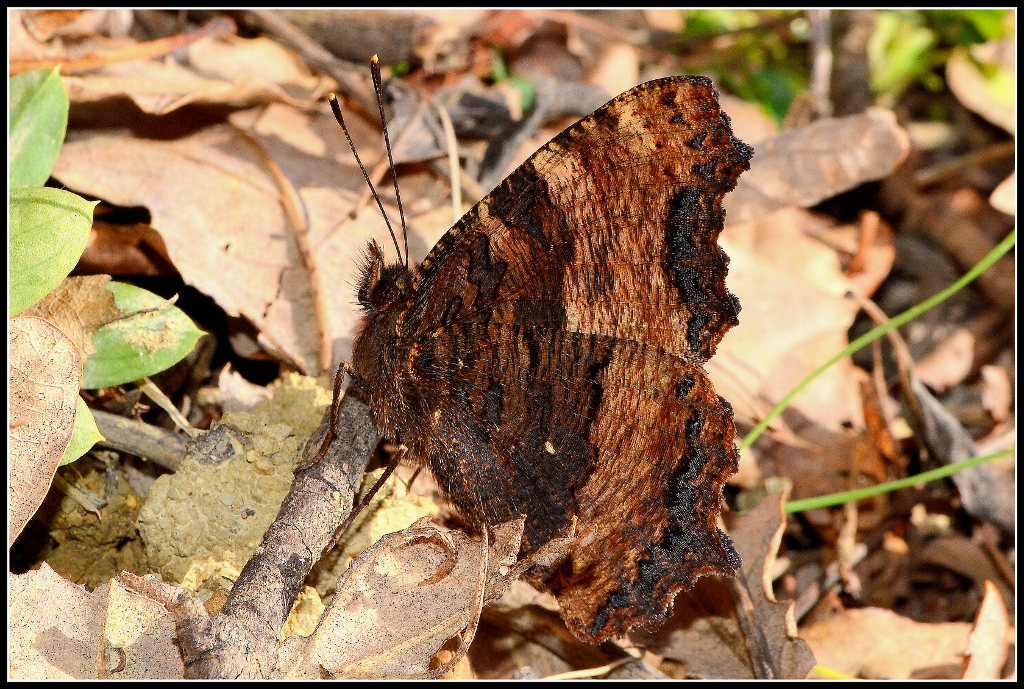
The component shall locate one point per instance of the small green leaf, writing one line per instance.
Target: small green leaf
(48, 232)
(84, 435)
(38, 107)
(138, 346)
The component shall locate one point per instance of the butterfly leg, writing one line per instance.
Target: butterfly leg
(388, 470)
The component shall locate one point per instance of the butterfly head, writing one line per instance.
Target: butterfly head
(381, 285)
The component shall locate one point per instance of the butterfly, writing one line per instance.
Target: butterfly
(545, 358)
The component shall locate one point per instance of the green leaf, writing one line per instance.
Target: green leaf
(48, 232)
(84, 435)
(898, 51)
(141, 345)
(38, 107)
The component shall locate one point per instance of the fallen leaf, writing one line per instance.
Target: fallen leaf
(983, 78)
(872, 643)
(59, 630)
(44, 371)
(220, 213)
(809, 164)
(163, 87)
(791, 285)
(997, 392)
(1004, 197)
(989, 640)
(401, 600)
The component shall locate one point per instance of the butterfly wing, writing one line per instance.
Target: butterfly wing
(610, 228)
(556, 334)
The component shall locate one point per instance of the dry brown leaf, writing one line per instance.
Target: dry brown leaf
(966, 558)
(989, 639)
(44, 373)
(524, 631)
(220, 214)
(221, 71)
(809, 164)
(791, 286)
(73, 24)
(237, 393)
(873, 643)
(962, 347)
(703, 631)
(79, 306)
(58, 630)
(252, 61)
(389, 615)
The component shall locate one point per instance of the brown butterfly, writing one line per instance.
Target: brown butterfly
(545, 357)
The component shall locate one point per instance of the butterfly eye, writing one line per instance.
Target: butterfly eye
(381, 285)
(385, 292)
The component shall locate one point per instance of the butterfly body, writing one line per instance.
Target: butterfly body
(545, 358)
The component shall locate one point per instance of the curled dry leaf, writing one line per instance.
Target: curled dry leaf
(44, 372)
(704, 633)
(217, 77)
(806, 165)
(58, 630)
(983, 78)
(1004, 197)
(401, 600)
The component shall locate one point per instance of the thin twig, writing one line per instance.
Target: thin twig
(158, 445)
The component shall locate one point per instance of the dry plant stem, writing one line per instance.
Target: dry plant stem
(757, 645)
(295, 211)
(821, 61)
(452, 144)
(242, 640)
(591, 672)
(157, 395)
(470, 187)
(939, 172)
(163, 447)
(382, 168)
(901, 352)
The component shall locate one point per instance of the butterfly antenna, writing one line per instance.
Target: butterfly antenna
(336, 109)
(375, 74)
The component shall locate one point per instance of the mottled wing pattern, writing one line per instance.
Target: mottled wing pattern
(570, 311)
